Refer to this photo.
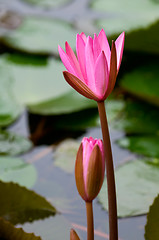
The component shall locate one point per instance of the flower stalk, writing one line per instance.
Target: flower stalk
(112, 205)
(89, 175)
(90, 221)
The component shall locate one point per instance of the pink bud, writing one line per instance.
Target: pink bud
(73, 235)
(90, 168)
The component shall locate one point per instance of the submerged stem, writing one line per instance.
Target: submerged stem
(90, 222)
(112, 206)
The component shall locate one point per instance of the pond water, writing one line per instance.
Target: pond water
(59, 188)
(54, 182)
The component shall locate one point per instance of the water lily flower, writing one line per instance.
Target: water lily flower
(93, 72)
(90, 168)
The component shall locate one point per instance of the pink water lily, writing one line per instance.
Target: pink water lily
(90, 168)
(93, 72)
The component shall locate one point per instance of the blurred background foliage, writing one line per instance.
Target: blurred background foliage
(32, 86)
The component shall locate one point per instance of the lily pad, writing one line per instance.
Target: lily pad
(143, 83)
(39, 84)
(9, 232)
(151, 228)
(10, 109)
(48, 3)
(114, 107)
(144, 145)
(137, 117)
(12, 144)
(40, 36)
(65, 155)
(35, 80)
(21, 205)
(67, 103)
(144, 39)
(15, 170)
(137, 186)
(124, 16)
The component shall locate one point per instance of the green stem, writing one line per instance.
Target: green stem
(112, 206)
(90, 223)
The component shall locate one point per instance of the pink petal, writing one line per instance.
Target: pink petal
(96, 47)
(79, 86)
(90, 64)
(113, 71)
(66, 61)
(119, 43)
(73, 60)
(103, 41)
(87, 150)
(80, 49)
(83, 36)
(101, 75)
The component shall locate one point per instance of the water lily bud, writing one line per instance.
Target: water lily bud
(93, 71)
(73, 235)
(90, 168)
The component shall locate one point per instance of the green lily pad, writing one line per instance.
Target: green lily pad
(12, 144)
(65, 155)
(10, 109)
(35, 80)
(137, 185)
(151, 228)
(48, 3)
(40, 36)
(9, 232)
(123, 16)
(137, 117)
(143, 83)
(113, 108)
(15, 170)
(144, 39)
(21, 205)
(144, 145)
(67, 103)
(39, 83)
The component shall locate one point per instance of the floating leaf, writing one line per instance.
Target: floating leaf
(144, 39)
(143, 82)
(48, 3)
(137, 185)
(65, 155)
(120, 16)
(39, 84)
(114, 108)
(40, 35)
(21, 205)
(9, 108)
(137, 117)
(151, 228)
(35, 80)
(12, 144)
(9, 232)
(67, 103)
(144, 145)
(15, 170)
